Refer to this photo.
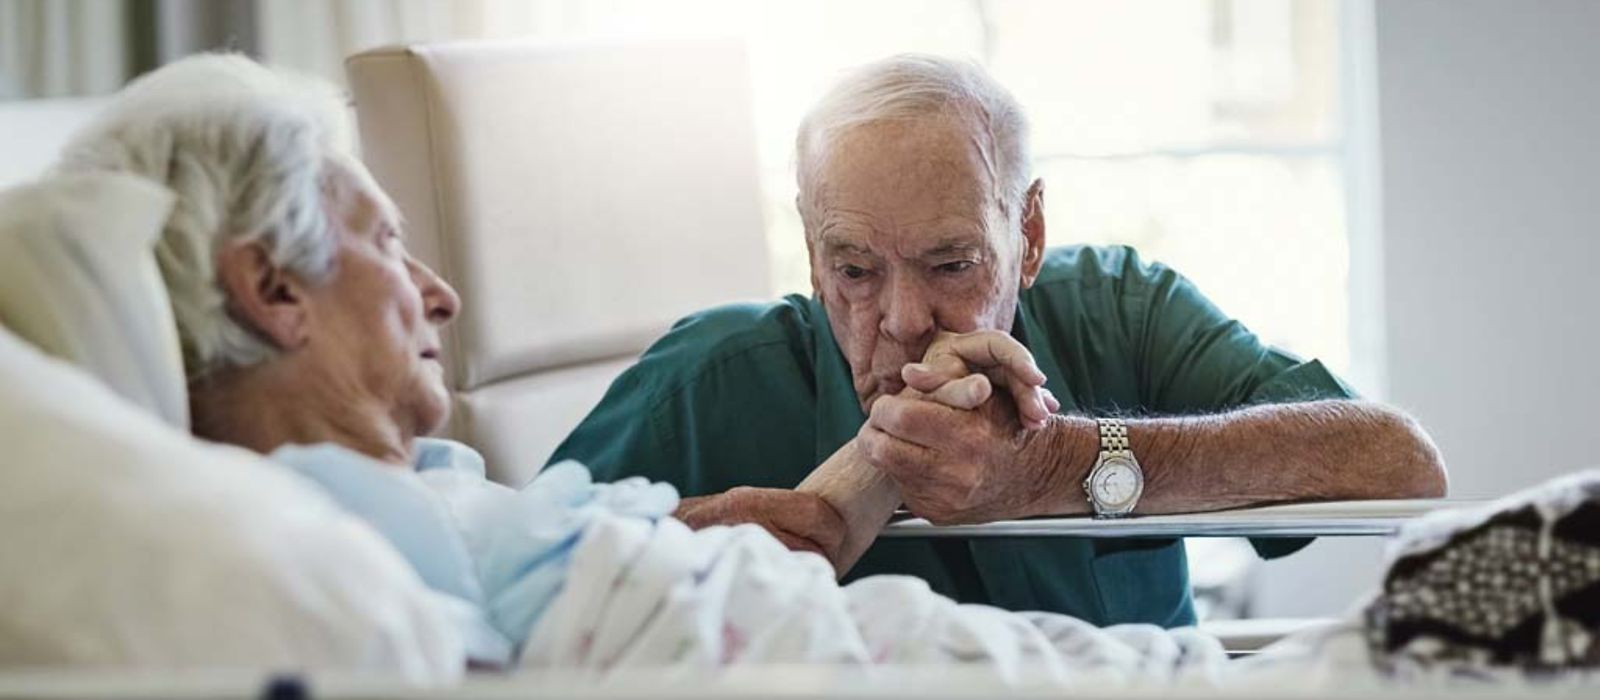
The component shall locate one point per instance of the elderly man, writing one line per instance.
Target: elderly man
(922, 219)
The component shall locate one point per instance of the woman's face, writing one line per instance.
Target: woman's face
(374, 325)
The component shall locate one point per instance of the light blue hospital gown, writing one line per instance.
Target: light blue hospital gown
(502, 554)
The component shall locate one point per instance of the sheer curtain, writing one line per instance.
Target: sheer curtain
(63, 48)
(78, 48)
(315, 37)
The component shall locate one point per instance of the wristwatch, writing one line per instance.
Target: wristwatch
(1116, 481)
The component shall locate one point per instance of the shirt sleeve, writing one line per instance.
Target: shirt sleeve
(1195, 359)
(721, 401)
(621, 436)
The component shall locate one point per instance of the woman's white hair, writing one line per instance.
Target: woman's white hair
(916, 86)
(251, 154)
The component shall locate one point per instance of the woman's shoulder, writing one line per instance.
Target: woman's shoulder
(430, 453)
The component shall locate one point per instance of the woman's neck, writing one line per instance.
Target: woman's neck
(263, 408)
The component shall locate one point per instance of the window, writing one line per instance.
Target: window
(1209, 135)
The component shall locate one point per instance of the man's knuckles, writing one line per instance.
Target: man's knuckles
(911, 419)
(891, 455)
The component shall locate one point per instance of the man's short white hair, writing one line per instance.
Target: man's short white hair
(250, 153)
(915, 86)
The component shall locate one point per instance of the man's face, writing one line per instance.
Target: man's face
(907, 239)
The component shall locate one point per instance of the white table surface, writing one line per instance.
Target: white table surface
(1332, 518)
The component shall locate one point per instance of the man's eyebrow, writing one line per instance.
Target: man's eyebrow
(833, 243)
(954, 244)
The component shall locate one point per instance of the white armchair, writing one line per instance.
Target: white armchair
(580, 198)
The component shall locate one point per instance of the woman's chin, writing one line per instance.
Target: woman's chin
(433, 410)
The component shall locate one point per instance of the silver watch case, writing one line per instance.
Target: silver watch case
(1101, 482)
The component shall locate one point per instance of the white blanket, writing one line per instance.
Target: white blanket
(642, 593)
(595, 578)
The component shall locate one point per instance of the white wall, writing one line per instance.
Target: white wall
(1491, 146)
(1489, 113)
(32, 133)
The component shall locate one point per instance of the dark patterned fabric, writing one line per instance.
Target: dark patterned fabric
(1515, 584)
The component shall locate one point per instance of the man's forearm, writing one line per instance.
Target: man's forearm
(861, 494)
(1322, 450)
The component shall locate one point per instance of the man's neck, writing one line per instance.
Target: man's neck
(261, 409)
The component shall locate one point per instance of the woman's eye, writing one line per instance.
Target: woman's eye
(957, 267)
(389, 238)
(853, 272)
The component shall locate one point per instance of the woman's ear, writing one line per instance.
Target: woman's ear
(262, 296)
(1033, 240)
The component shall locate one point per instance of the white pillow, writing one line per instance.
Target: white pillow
(128, 543)
(78, 279)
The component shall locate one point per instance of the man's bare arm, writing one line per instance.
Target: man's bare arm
(1320, 450)
(953, 468)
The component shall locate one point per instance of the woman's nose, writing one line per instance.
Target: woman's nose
(440, 301)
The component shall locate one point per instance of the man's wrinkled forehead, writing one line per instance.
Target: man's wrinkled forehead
(854, 242)
(904, 173)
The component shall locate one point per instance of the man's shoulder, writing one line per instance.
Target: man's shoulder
(717, 339)
(1094, 266)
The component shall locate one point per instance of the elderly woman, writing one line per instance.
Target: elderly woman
(310, 334)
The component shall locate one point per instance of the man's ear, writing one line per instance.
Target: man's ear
(261, 296)
(1032, 233)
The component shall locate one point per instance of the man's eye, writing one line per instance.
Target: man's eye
(853, 272)
(957, 267)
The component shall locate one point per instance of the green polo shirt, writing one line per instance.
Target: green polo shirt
(760, 394)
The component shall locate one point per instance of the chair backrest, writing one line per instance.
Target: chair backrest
(580, 197)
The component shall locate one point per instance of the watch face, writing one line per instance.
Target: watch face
(1116, 483)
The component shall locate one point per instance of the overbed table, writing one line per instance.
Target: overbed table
(1326, 519)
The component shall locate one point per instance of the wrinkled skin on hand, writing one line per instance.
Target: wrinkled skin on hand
(960, 450)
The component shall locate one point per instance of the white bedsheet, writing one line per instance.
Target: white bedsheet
(656, 594)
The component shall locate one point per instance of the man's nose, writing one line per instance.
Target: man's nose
(907, 317)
